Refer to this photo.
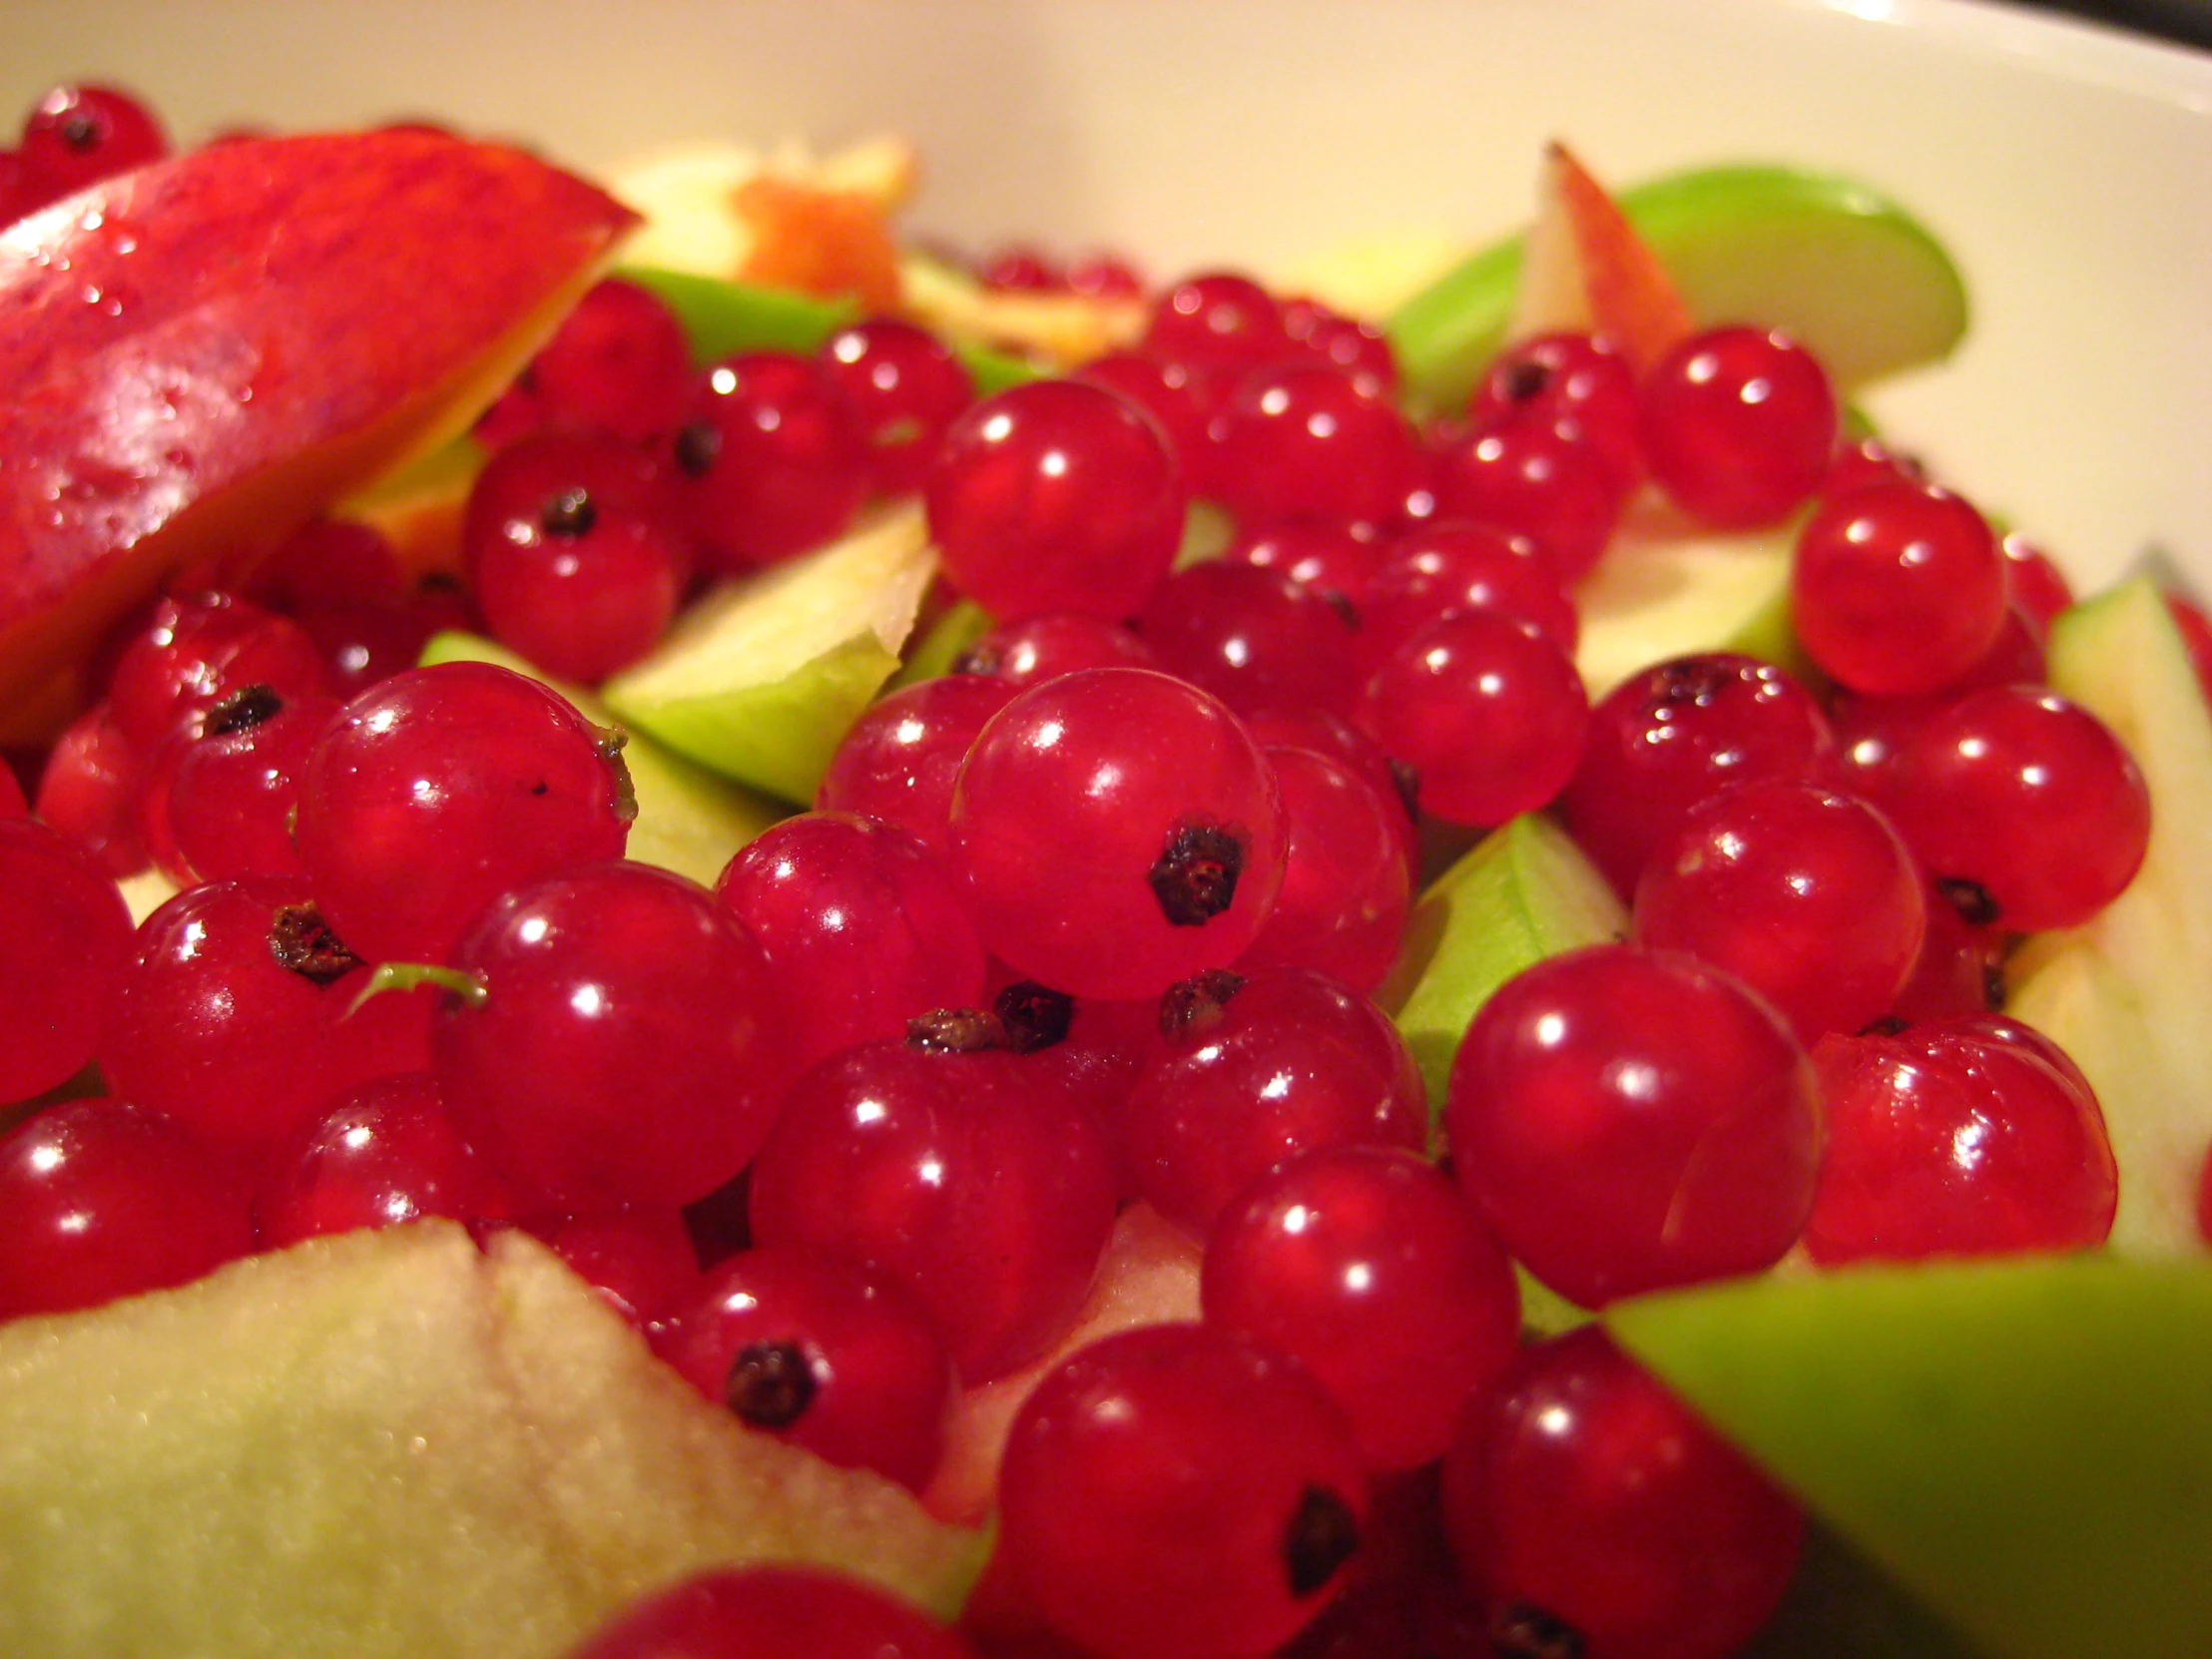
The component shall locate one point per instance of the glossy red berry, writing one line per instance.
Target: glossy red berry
(78, 135)
(1739, 425)
(1175, 1491)
(1055, 496)
(770, 460)
(905, 388)
(65, 934)
(1628, 1119)
(773, 1609)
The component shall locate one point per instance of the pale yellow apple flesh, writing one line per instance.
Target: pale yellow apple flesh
(385, 1445)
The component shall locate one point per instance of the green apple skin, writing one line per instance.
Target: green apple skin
(1521, 893)
(690, 819)
(2025, 1443)
(2124, 995)
(1848, 270)
(760, 678)
(722, 316)
(390, 1444)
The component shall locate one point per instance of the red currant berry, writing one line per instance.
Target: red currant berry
(1304, 440)
(1957, 1138)
(65, 934)
(1058, 495)
(620, 364)
(1369, 1267)
(1451, 565)
(1629, 1119)
(1046, 645)
(1219, 322)
(773, 1609)
(639, 1258)
(905, 388)
(1118, 830)
(1897, 588)
(195, 652)
(1809, 896)
(1321, 555)
(88, 790)
(626, 1042)
(435, 790)
(821, 1352)
(1566, 376)
(1537, 478)
(1594, 1514)
(771, 460)
(1253, 638)
(1739, 425)
(574, 552)
(1488, 711)
(1347, 881)
(101, 1199)
(898, 761)
(79, 135)
(1174, 1492)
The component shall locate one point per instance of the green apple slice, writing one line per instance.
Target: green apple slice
(1521, 893)
(1664, 590)
(391, 1444)
(690, 819)
(1843, 267)
(2125, 994)
(759, 679)
(2026, 1444)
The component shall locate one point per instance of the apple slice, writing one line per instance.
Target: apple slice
(1586, 269)
(202, 354)
(1521, 893)
(690, 819)
(2124, 995)
(389, 1443)
(1665, 589)
(1847, 269)
(759, 679)
(2026, 1444)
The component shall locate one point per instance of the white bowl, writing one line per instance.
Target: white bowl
(2069, 168)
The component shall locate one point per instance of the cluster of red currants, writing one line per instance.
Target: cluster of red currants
(1100, 918)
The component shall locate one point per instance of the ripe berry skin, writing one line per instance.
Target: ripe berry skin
(1896, 589)
(1055, 496)
(1738, 425)
(771, 462)
(1629, 1119)
(975, 1178)
(1585, 1502)
(1347, 885)
(1368, 1267)
(773, 1609)
(2027, 795)
(1176, 1492)
(861, 925)
(629, 1044)
(898, 761)
(1286, 1062)
(1118, 830)
(1970, 1136)
(102, 1199)
(65, 934)
(821, 1352)
(76, 136)
(438, 790)
(1810, 897)
(1487, 710)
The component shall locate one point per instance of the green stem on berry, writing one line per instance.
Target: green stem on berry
(408, 977)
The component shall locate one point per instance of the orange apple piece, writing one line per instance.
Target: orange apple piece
(1588, 267)
(202, 354)
(1148, 1276)
(832, 244)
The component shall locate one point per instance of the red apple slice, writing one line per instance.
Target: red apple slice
(1589, 267)
(201, 353)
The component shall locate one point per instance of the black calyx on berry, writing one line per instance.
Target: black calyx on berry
(1523, 1632)
(770, 1384)
(302, 944)
(242, 710)
(1321, 1536)
(697, 447)
(569, 513)
(957, 1031)
(1195, 877)
(1033, 1017)
(1191, 1007)
(1973, 902)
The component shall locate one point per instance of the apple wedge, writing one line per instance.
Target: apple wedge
(759, 679)
(2124, 995)
(690, 819)
(1523, 893)
(1666, 589)
(1848, 270)
(202, 354)
(1586, 269)
(2026, 1444)
(390, 1443)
